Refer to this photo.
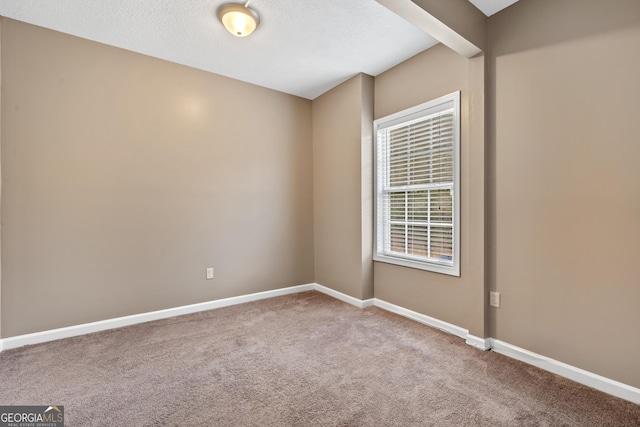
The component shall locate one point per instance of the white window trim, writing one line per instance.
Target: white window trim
(404, 116)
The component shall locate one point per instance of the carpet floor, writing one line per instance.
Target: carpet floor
(298, 360)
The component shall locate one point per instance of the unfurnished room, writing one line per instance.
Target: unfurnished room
(320, 213)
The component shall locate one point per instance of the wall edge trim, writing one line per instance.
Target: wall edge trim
(422, 318)
(344, 297)
(483, 344)
(118, 322)
(590, 379)
(573, 373)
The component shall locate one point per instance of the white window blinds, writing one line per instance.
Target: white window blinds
(417, 186)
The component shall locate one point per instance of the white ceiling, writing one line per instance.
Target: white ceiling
(302, 47)
(490, 7)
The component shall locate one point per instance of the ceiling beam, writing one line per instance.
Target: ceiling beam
(455, 23)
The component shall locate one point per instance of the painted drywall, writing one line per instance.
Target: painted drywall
(125, 176)
(461, 16)
(457, 300)
(0, 179)
(92, 239)
(565, 202)
(342, 177)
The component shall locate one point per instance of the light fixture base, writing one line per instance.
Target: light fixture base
(239, 19)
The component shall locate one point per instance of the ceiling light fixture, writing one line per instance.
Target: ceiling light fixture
(239, 19)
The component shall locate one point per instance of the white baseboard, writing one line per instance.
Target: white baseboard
(119, 322)
(578, 375)
(103, 325)
(418, 317)
(581, 376)
(472, 340)
(344, 297)
(483, 344)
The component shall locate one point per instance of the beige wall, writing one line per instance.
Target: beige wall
(124, 177)
(565, 204)
(457, 300)
(0, 179)
(461, 16)
(342, 150)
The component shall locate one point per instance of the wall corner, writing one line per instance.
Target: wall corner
(366, 186)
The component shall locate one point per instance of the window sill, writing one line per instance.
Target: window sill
(420, 265)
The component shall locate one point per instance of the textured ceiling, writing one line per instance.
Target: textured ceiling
(303, 47)
(490, 7)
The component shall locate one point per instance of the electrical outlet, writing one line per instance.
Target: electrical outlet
(209, 273)
(494, 299)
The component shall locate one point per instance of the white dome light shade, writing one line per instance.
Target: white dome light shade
(239, 19)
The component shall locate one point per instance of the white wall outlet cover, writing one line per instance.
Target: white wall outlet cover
(494, 299)
(210, 273)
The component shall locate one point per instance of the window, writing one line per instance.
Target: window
(418, 186)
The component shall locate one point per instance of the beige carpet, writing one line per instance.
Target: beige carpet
(298, 360)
